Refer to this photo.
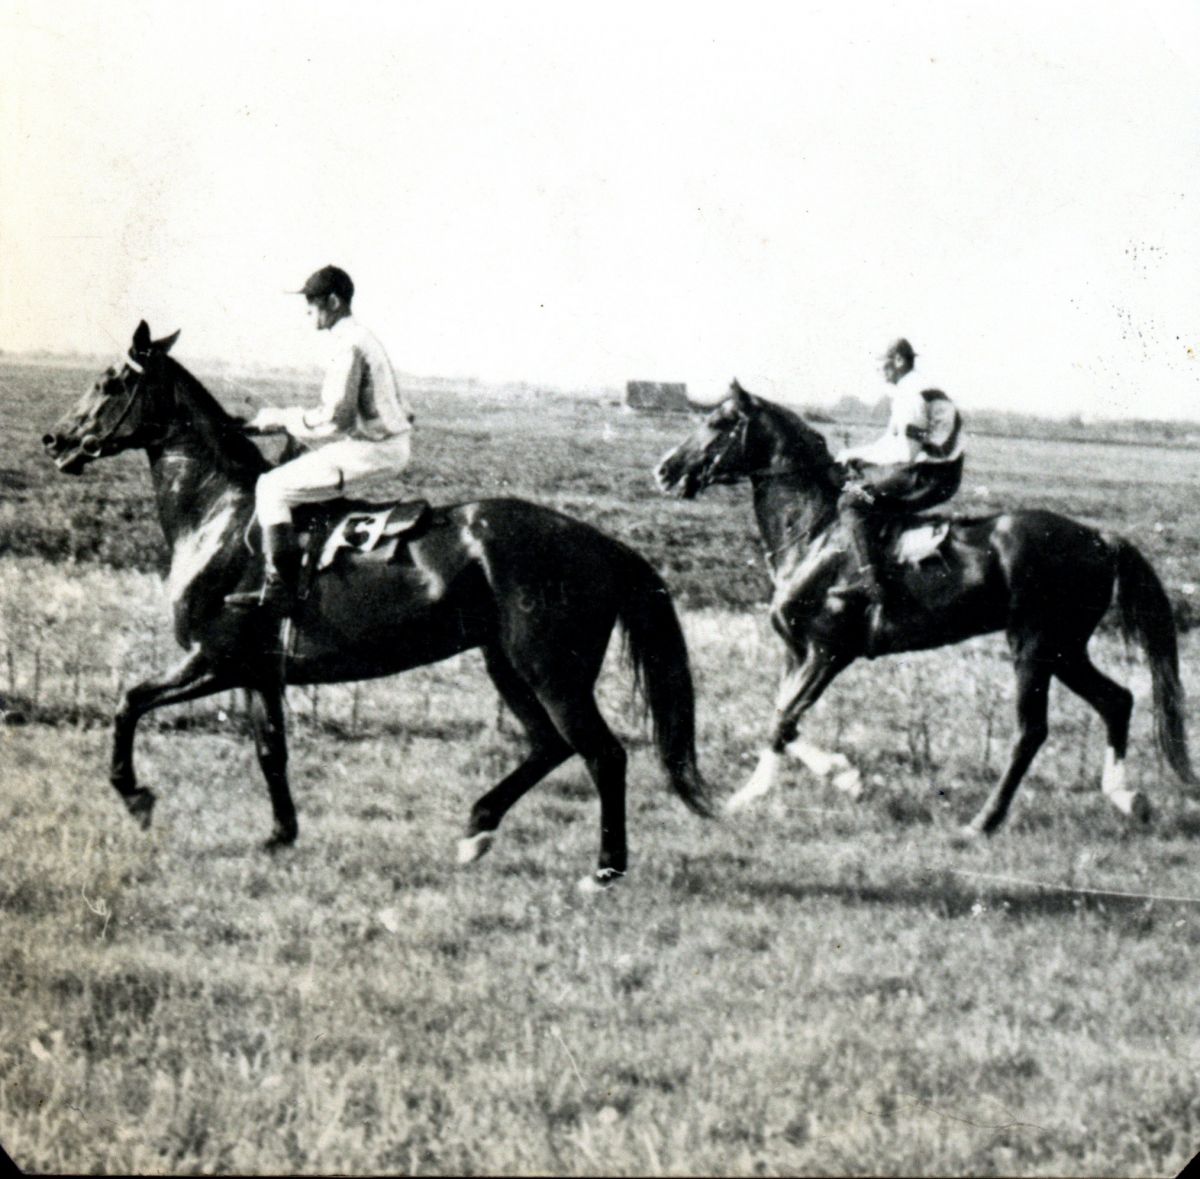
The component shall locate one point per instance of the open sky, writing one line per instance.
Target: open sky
(582, 193)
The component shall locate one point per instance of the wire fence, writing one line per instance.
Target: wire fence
(74, 639)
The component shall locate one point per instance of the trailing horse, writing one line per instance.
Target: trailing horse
(539, 592)
(1043, 579)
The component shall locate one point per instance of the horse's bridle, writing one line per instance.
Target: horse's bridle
(738, 435)
(735, 437)
(133, 391)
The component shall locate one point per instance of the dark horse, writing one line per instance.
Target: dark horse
(1043, 579)
(540, 593)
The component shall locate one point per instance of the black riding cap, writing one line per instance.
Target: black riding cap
(329, 280)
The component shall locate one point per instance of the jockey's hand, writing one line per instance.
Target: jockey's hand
(855, 495)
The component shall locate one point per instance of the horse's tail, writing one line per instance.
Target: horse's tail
(1146, 616)
(662, 670)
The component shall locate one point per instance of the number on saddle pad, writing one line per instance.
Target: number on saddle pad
(918, 543)
(377, 531)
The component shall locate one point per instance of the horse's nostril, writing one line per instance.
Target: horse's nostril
(49, 440)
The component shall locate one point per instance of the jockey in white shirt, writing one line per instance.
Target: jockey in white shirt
(360, 431)
(917, 463)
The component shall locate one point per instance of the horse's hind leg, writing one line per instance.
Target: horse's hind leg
(1114, 704)
(190, 679)
(270, 742)
(576, 716)
(548, 751)
(1033, 685)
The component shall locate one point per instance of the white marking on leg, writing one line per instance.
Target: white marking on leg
(599, 882)
(835, 767)
(1113, 780)
(1129, 802)
(760, 782)
(475, 847)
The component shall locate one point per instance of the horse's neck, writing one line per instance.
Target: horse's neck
(189, 487)
(791, 512)
(195, 474)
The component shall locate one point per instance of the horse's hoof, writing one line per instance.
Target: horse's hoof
(140, 805)
(279, 841)
(600, 881)
(475, 847)
(1132, 803)
(968, 835)
(849, 781)
(743, 798)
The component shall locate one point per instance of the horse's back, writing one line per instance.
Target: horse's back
(1059, 571)
(524, 542)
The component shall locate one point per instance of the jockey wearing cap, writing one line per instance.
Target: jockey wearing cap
(360, 431)
(917, 463)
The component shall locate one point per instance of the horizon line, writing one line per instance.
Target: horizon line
(34, 355)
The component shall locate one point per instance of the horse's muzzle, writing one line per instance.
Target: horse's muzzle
(71, 459)
(671, 481)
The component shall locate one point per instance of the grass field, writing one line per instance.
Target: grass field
(816, 986)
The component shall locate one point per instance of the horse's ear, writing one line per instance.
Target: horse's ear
(166, 343)
(141, 338)
(740, 397)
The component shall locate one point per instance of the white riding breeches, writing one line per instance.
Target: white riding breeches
(350, 466)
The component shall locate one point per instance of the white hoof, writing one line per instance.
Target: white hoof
(475, 847)
(749, 793)
(1132, 803)
(833, 767)
(849, 782)
(967, 835)
(598, 882)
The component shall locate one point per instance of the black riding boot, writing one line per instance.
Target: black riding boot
(860, 529)
(278, 591)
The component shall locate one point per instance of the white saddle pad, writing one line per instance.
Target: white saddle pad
(915, 545)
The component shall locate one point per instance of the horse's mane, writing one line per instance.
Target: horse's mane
(797, 437)
(235, 454)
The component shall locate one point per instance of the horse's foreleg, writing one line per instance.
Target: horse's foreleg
(270, 742)
(190, 679)
(799, 690)
(1033, 684)
(832, 766)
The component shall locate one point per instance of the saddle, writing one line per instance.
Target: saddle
(343, 528)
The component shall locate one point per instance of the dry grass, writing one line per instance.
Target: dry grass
(816, 987)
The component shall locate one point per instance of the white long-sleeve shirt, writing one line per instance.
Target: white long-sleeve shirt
(359, 396)
(924, 427)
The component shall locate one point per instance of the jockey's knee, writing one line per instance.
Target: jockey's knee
(271, 501)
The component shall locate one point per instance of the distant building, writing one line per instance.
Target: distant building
(657, 397)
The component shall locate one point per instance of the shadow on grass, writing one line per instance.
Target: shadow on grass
(944, 894)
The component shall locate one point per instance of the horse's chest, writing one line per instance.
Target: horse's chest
(195, 550)
(798, 578)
